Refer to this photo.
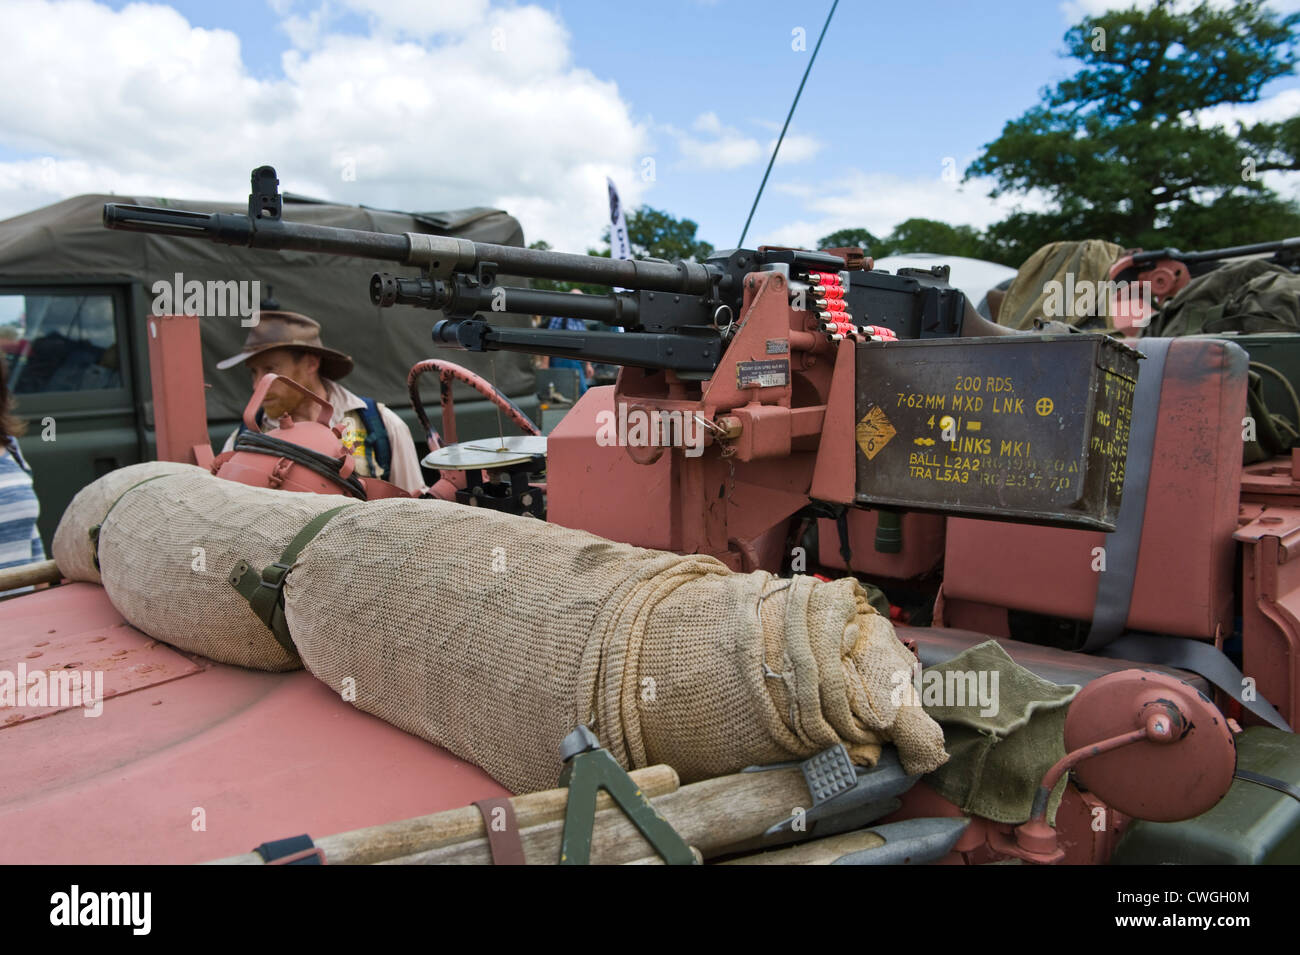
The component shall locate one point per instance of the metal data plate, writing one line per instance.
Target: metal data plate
(492, 452)
(1029, 428)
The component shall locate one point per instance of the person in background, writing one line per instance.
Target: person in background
(20, 541)
(586, 371)
(289, 344)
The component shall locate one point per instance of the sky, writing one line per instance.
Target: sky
(430, 105)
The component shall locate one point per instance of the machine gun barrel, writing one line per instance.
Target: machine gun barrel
(386, 290)
(235, 229)
(440, 256)
(689, 355)
(1210, 255)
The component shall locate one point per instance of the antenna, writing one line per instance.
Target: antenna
(779, 139)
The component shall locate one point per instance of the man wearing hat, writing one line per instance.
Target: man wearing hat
(288, 344)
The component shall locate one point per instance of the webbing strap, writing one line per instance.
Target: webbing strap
(264, 590)
(1259, 779)
(94, 531)
(842, 528)
(1202, 658)
(296, 850)
(504, 843)
(1115, 588)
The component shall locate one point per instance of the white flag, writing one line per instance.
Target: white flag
(619, 246)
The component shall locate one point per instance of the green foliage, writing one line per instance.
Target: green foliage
(848, 239)
(653, 234)
(1232, 220)
(918, 235)
(927, 235)
(1116, 146)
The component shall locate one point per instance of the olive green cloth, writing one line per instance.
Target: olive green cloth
(998, 759)
(1057, 281)
(1249, 296)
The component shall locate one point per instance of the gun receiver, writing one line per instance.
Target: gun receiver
(677, 315)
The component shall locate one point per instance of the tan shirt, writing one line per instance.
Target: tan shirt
(406, 464)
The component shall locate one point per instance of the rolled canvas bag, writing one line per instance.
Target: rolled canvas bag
(494, 635)
(73, 547)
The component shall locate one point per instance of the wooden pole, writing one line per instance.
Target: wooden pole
(657, 859)
(709, 815)
(41, 572)
(442, 829)
(818, 852)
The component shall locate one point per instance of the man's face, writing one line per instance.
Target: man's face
(300, 367)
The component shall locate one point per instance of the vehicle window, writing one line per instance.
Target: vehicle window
(59, 342)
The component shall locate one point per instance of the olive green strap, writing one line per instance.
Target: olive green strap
(264, 591)
(94, 531)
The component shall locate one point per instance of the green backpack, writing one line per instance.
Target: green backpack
(1253, 295)
(1249, 296)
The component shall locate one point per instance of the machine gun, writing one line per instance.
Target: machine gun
(679, 316)
(825, 382)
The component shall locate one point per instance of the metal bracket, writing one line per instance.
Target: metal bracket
(265, 595)
(264, 590)
(264, 201)
(838, 787)
(589, 768)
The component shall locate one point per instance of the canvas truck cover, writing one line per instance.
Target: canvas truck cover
(67, 240)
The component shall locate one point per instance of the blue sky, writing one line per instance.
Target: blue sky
(698, 87)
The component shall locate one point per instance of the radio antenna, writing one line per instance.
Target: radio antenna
(811, 60)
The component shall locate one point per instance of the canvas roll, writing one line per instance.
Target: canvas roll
(494, 635)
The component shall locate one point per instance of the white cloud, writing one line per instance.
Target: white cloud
(726, 147)
(794, 148)
(1282, 106)
(441, 106)
(880, 201)
(708, 123)
(1273, 109)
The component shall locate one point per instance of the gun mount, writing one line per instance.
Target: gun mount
(767, 358)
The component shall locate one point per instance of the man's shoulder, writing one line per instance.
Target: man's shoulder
(341, 398)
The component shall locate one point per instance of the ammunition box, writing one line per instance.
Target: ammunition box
(1030, 428)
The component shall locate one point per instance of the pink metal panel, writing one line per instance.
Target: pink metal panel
(124, 662)
(1270, 602)
(922, 545)
(176, 373)
(588, 485)
(835, 476)
(1184, 582)
(263, 755)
